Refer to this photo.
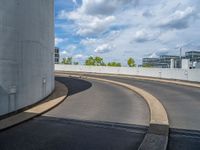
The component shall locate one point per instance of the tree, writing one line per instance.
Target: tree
(114, 64)
(64, 61)
(90, 61)
(76, 63)
(99, 61)
(147, 65)
(67, 61)
(131, 62)
(94, 61)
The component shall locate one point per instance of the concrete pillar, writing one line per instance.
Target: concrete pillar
(185, 64)
(26, 52)
(172, 63)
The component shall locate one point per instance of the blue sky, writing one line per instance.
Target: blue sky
(119, 29)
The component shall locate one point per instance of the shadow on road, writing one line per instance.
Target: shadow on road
(181, 139)
(50, 133)
(74, 85)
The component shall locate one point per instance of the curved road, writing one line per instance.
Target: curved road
(99, 115)
(102, 102)
(95, 115)
(182, 103)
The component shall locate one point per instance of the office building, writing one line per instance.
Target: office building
(163, 61)
(151, 61)
(194, 56)
(167, 59)
(57, 55)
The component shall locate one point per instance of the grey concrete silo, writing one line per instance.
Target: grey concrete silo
(26, 52)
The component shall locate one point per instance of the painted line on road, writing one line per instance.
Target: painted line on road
(157, 135)
(57, 97)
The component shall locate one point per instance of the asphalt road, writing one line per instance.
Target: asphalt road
(48, 133)
(101, 102)
(96, 116)
(182, 103)
(102, 116)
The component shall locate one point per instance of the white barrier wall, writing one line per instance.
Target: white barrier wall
(180, 74)
(26, 52)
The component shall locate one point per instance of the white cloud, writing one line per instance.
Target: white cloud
(156, 54)
(87, 24)
(103, 48)
(147, 13)
(153, 55)
(78, 56)
(68, 51)
(179, 19)
(88, 41)
(58, 41)
(75, 2)
(64, 52)
(94, 25)
(144, 35)
(102, 7)
(71, 48)
(62, 14)
(134, 27)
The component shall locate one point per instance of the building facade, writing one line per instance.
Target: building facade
(57, 55)
(150, 61)
(190, 60)
(193, 56)
(26, 52)
(164, 61)
(167, 59)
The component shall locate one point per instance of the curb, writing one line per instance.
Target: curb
(57, 97)
(157, 135)
(173, 81)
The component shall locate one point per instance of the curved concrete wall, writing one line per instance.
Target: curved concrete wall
(26, 52)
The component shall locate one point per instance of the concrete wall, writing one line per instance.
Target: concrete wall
(26, 52)
(181, 74)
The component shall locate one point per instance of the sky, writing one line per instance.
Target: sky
(119, 29)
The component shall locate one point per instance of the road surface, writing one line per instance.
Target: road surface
(182, 103)
(96, 115)
(102, 116)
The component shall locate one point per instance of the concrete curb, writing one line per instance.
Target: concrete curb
(184, 83)
(157, 135)
(57, 97)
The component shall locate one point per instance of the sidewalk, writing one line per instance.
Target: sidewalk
(57, 97)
